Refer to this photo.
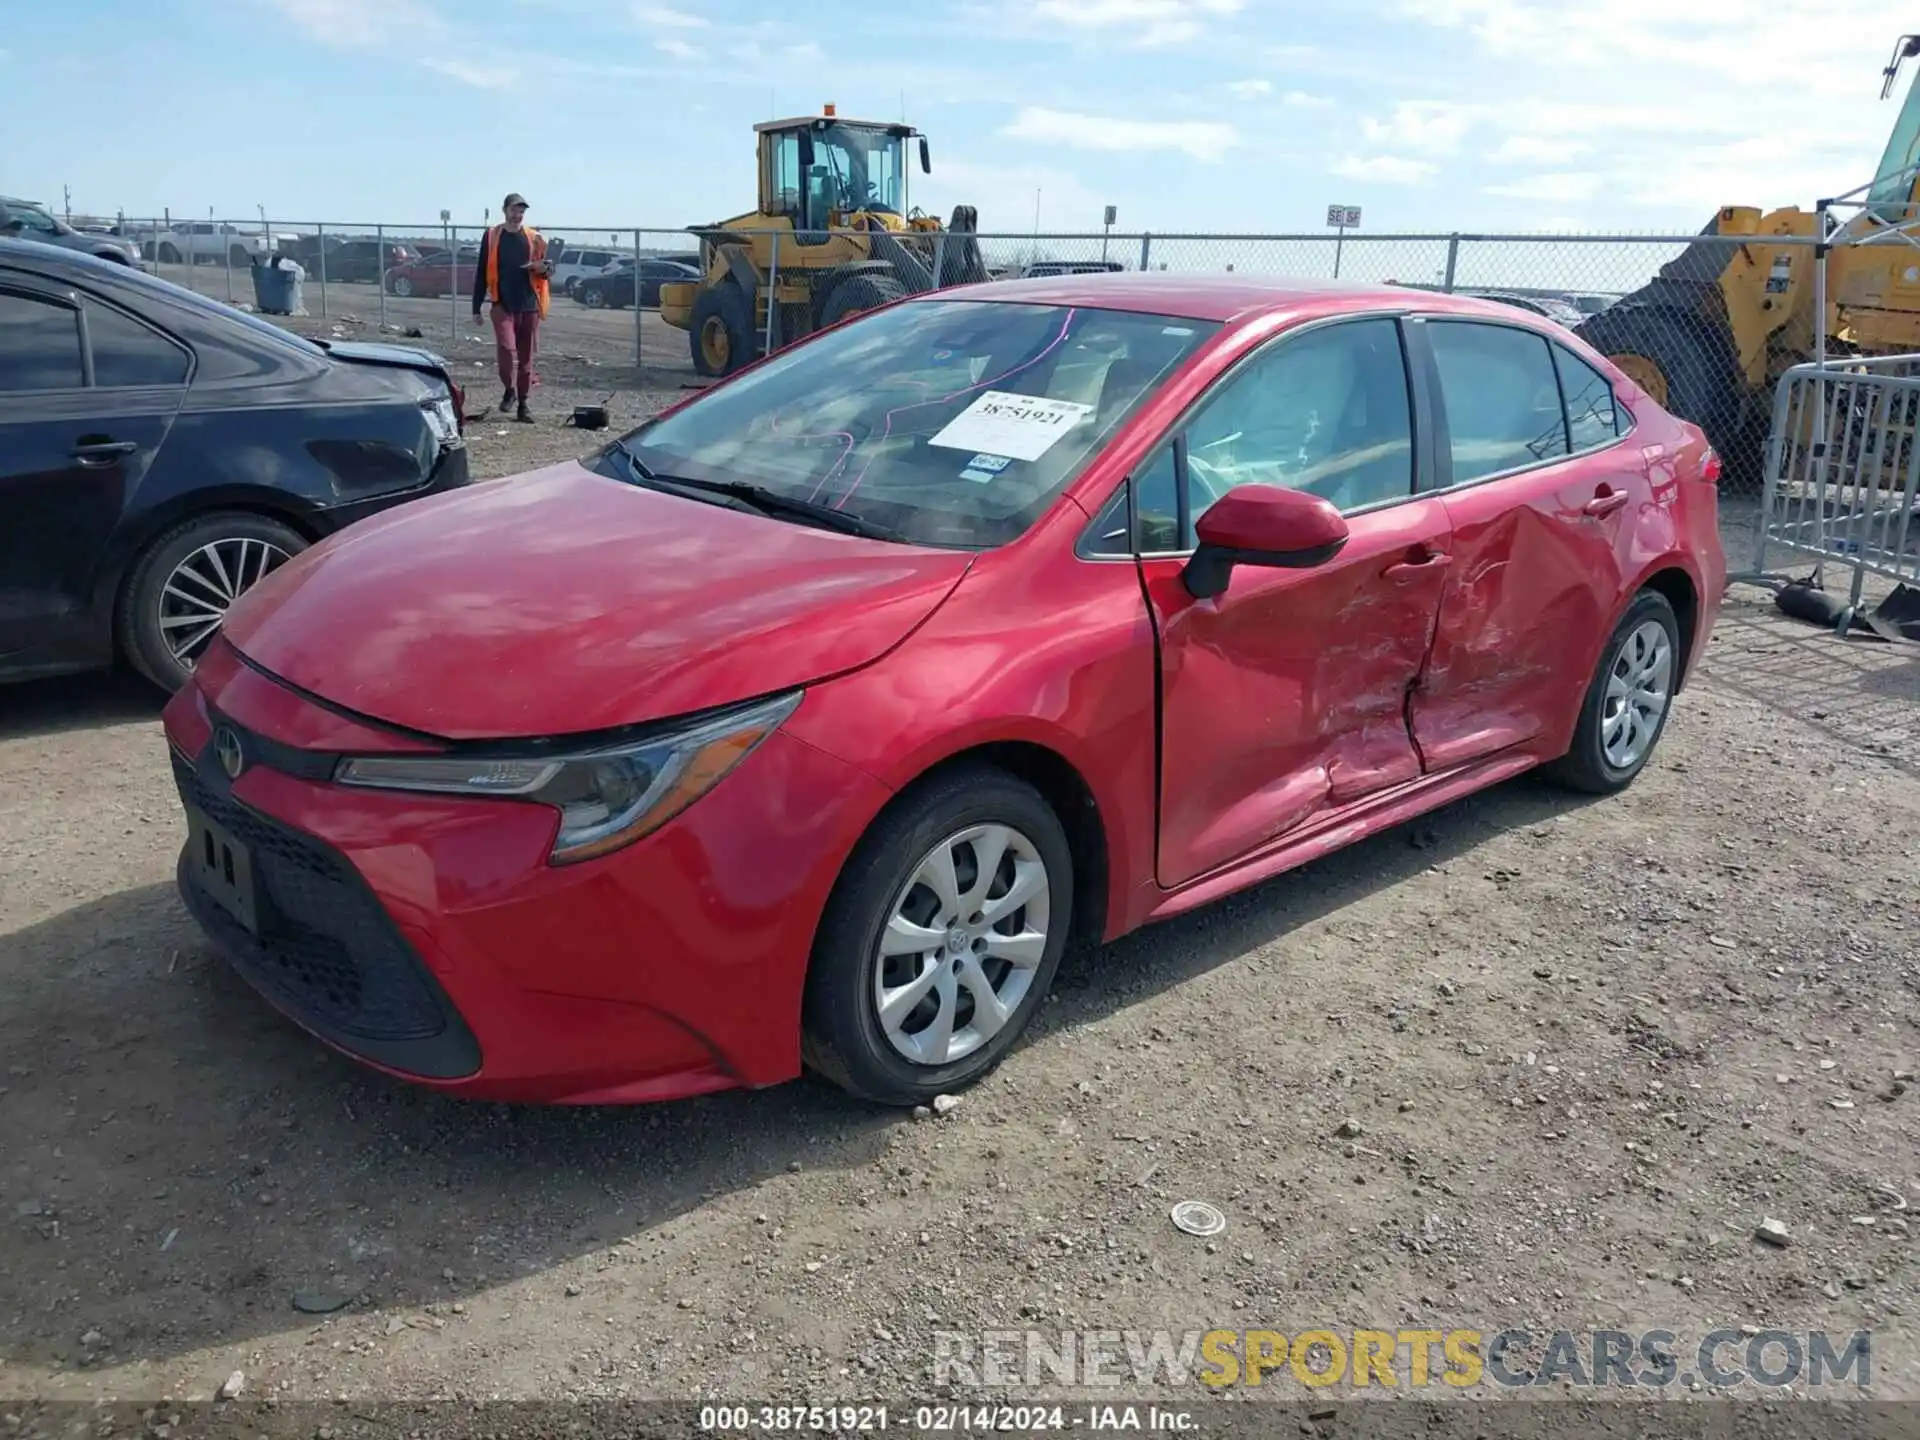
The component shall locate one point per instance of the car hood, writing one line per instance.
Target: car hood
(563, 601)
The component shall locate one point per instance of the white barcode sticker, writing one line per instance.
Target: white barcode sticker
(1024, 427)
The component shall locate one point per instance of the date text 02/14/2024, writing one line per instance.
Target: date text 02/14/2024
(942, 1419)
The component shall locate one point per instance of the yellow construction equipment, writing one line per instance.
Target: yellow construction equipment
(1711, 334)
(833, 236)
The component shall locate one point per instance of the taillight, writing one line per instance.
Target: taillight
(1710, 466)
(459, 404)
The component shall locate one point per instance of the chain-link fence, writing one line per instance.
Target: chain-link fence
(1680, 332)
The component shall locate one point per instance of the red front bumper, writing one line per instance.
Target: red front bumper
(427, 936)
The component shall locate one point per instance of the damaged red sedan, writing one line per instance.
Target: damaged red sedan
(806, 725)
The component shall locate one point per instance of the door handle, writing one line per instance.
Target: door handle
(1409, 569)
(102, 452)
(1606, 502)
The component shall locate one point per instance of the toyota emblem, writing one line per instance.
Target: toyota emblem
(226, 744)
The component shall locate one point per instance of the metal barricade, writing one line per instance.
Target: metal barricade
(1842, 475)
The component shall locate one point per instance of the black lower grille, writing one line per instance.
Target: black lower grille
(326, 950)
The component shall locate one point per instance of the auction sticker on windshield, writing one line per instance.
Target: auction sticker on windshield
(1023, 427)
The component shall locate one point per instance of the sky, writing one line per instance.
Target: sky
(1637, 116)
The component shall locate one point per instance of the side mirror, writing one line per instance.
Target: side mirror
(926, 157)
(1266, 526)
(806, 149)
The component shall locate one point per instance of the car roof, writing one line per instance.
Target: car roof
(1224, 298)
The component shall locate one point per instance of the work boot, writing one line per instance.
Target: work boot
(523, 414)
(506, 399)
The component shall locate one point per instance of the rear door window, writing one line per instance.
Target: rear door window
(39, 345)
(1502, 397)
(127, 353)
(1592, 417)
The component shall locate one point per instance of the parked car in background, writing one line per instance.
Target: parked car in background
(575, 265)
(431, 276)
(25, 220)
(1559, 311)
(437, 254)
(349, 260)
(732, 747)
(1040, 268)
(615, 288)
(206, 242)
(161, 452)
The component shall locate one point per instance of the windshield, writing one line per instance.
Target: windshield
(1893, 183)
(855, 170)
(953, 422)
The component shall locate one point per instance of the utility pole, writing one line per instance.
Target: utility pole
(66, 202)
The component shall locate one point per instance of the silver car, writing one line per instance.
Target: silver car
(25, 220)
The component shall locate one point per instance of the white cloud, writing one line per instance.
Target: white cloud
(480, 77)
(666, 17)
(1535, 150)
(1554, 189)
(678, 49)
(1202, 139)
(1301, 100)
(1004, 195)
(1147, 23)
(1385, 169)
(1250, 89)
(362, 24)
(1762, 102)
(1429, 127)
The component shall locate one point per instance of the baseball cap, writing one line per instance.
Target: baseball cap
(512, 200)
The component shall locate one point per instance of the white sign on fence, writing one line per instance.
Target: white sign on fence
(1343, 217)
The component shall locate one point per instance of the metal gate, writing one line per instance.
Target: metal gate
(1842, 475)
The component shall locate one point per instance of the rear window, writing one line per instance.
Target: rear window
(954, 422)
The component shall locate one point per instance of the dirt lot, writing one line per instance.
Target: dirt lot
(1585, 1049)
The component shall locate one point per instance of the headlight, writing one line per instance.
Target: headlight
(443, 420)
(606, 798)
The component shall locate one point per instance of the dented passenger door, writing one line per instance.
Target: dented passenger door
(1284, 698)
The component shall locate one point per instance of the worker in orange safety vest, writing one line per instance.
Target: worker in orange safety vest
(512, 274)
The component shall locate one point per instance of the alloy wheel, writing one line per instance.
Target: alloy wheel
(1639, 686)
(203, 587)
(963, 941)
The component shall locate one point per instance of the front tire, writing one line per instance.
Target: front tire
(401, 286)
(941, 940)
(1627, 703)
(185, 581)
(722, 332)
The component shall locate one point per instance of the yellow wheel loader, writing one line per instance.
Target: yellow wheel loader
(833, 236)
(1711, 334)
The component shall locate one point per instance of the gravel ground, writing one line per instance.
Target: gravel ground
(1531, 1061)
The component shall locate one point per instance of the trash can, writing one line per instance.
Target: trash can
(276, 286)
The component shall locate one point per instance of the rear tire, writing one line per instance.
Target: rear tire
(189, 576)
(857, 294)
(401, 286)
(1616, 735)
(1012, 952)
(594, 297)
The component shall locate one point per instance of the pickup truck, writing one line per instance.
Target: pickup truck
(207, 242)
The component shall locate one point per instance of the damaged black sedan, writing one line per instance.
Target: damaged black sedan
(160, 452)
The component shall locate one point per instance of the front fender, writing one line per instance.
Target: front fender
(978, 675)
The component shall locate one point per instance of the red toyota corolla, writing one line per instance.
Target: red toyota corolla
(809, 722)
